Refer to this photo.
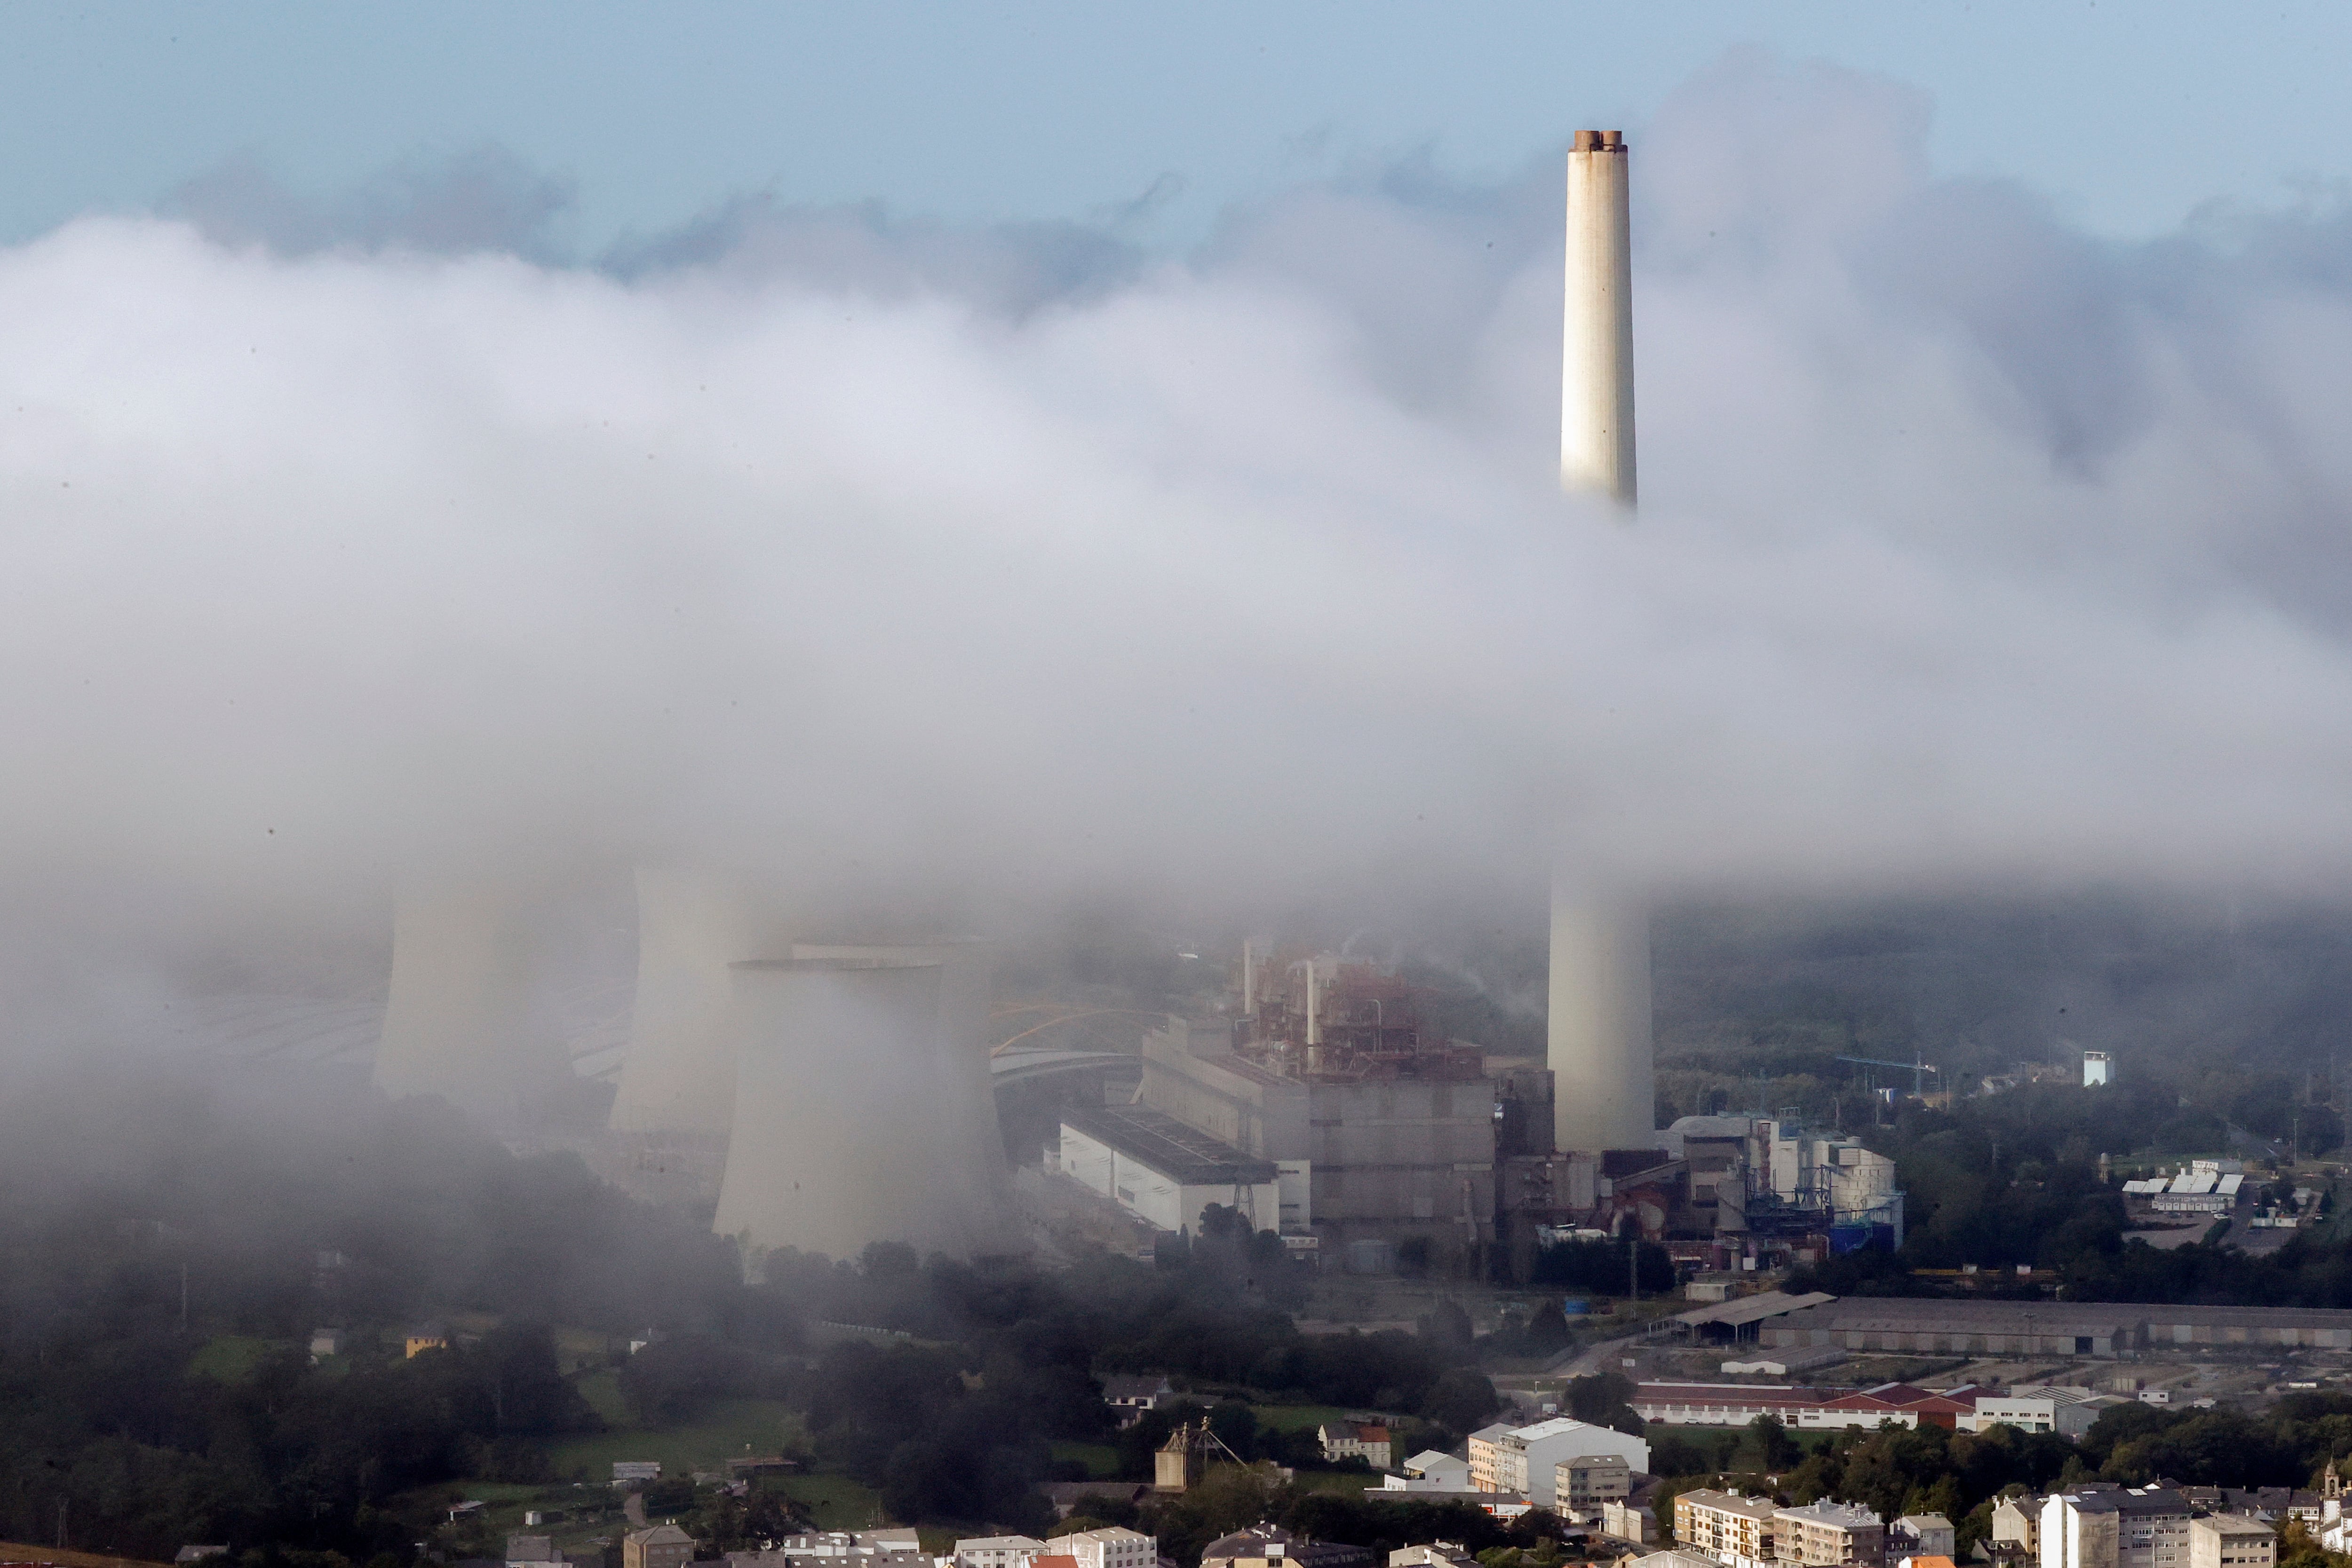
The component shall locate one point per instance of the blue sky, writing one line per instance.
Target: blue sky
(2125, 116)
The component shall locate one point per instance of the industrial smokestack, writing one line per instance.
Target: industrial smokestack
(1596, 402)
(1598, 1038)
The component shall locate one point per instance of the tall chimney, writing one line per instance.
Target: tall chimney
(1598, 1030)
(1596, 402)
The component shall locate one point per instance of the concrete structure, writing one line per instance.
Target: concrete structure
(1161, 1170)
(2227, 1541)
(1584, 1485)
(1629, 1521)
(422, 1338)
(1823, 1535)
(1109, 1548)
(998, 1551)
(1725, 1526)
(1524, 1460)
(1365, 1440)
(2114, 1527)
(458, 1019)
(662, 1546)
(840, 1088)
(1392, 1145)
(532, 1551)
(2094, 1068)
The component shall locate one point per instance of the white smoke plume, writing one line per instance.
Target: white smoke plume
(873, 557)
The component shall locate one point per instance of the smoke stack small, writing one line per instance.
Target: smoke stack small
(1596, 404)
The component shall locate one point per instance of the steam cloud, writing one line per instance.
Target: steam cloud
(903, 563)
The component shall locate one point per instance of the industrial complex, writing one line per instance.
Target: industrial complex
(825, 1093)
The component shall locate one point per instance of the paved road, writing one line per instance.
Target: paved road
(1600, 1356)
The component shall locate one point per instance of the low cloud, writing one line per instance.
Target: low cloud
(351, 543)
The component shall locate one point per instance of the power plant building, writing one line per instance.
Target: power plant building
(1381, 1136)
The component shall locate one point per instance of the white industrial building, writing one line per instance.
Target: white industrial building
(1162, 1171)
(1524, 1460)
(2038, 1407)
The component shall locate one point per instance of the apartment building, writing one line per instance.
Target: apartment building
(1921, 1535)
(1725, 1526)
(1825, 1534)
(1111, 1548)
(998, 1551)
(2017, 1524)
(1590, 1482)
(1365, 1440)
(2105, 1526)
(2231, 1541)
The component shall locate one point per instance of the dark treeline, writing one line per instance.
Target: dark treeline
(151, 1429)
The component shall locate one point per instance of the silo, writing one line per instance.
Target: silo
(458, 1019)
(838, 1103)
(1597, 1032)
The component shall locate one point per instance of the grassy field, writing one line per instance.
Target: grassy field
(231, 1358)
(731, 1427)
(1292, 1417)
(838, 1502)
(1100, 1459)
(17, 1551)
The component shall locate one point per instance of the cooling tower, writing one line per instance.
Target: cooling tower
(679, 1074)
(458, 1022)
(970, 1142)
(842, 1092)
(1597, 1034)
